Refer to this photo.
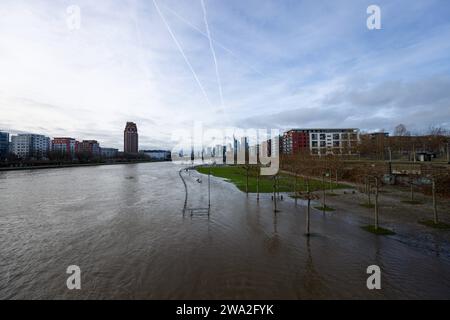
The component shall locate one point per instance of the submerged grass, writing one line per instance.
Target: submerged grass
(379, 231)
(439, 225)
(367, 205)
(412, 201)
(237, 176)
(326, 208)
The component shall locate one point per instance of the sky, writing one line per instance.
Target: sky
(225, 63)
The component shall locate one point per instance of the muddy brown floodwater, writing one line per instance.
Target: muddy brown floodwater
(123, 226)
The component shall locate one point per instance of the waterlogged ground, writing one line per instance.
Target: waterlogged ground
(124, 227)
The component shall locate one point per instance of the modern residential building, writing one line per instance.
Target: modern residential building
(130, 138)
(320, 141)
(65, 146)
(30, 145)
(91, 147)
(109, 153)
(294, 141)
(4, 144)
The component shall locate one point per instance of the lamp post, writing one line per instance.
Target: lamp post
(324, 191)
(257, 184)
(274, 196)
(209, 189)
(376, 203)
(309, 207)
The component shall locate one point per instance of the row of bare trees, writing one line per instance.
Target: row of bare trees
(403, 145)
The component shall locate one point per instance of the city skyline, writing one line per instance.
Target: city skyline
(317, 66)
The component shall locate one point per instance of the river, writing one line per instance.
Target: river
(124, 227)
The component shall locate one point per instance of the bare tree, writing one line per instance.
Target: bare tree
(401, 131)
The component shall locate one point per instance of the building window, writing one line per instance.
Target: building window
(322, 136)
(322, 143)
(336, 136)
(314, 136)
(314, 143)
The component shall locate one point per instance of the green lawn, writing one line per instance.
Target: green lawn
(237, 175)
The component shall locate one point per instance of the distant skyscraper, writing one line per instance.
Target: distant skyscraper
(130, 138)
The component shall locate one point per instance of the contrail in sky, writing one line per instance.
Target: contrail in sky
(213, 52)
(182, 52)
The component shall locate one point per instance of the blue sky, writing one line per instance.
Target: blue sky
(279, 64)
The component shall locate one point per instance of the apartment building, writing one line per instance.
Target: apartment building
(320, 141)
(65, 146)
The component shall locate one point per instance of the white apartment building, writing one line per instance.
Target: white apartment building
(333, 141)
(30, 145)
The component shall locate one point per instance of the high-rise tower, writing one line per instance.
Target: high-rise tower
(130, 138)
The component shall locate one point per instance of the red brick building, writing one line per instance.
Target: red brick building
(66, 146)
(294, 141)
(91, 147)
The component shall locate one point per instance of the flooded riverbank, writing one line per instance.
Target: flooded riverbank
(124, 227)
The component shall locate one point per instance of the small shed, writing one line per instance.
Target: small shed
(424, 156)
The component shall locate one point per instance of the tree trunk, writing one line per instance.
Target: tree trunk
(246, 181)
(295, 188)
(436, 218)
(274, 195)
(323, 186)
(257, 185)
(331, 183)
(337, 179)
(308, 212)
(209, 190)
(278, 186)
(376, 203)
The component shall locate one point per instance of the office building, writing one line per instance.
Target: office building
(130, 137)
(159, 155)
(30, 145)
(4, 144)
(109, 153)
